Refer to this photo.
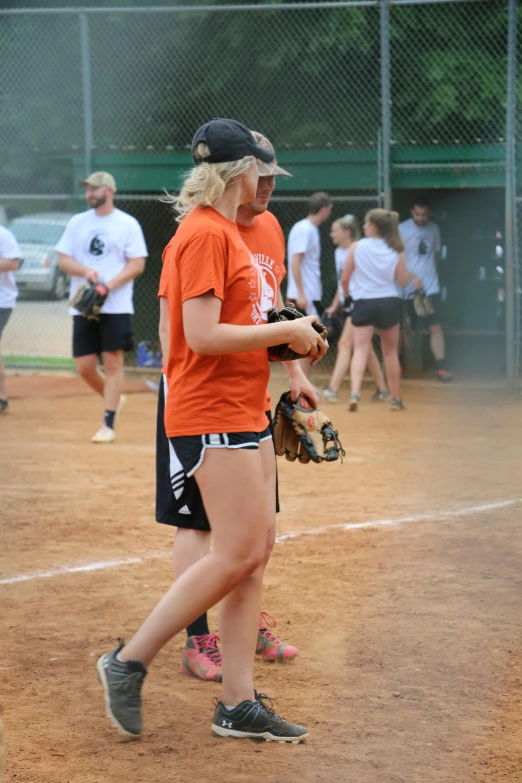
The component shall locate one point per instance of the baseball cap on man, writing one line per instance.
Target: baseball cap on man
(228, 140)
(100, 179)
(268, 169)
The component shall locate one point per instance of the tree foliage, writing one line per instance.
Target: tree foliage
(307, 78)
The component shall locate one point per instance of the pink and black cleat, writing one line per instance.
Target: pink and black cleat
(202, 658)
(269, 647)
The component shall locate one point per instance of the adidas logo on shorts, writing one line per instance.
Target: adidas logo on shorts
(185, 510)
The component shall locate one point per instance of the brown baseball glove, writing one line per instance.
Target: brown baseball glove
(89, 299)
(283, 352)
(303, 432)
(423, 304)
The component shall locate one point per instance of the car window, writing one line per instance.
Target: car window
(37, 233)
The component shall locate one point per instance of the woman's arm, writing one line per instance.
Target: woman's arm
(349, 266)
(164, 328)
(335, 303)
(206, 336)
(401, 272)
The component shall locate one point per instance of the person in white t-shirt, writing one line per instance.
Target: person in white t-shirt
(103, 244)
(10, 257)
(374, 267)
(305, 288)
(304, 256)
(421, 239)
(344, 232)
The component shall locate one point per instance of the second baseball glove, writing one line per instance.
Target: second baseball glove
(423, 304)
(303, 432)
(89, 300)
(283, 352)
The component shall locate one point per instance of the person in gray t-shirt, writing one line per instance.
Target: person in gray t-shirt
(421, 239)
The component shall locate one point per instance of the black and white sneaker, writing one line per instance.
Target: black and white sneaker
(257, 720)
(122, 681)
(396, 404)
(381, 395)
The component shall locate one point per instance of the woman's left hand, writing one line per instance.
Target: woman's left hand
(301, 385)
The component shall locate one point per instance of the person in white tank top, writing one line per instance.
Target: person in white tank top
(343, 233)
(373, 267)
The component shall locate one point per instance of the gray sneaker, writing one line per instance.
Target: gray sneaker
(381, 395)
(329, 395)
(255, 720)
(122, 681)
(397, 404)
(354, 402)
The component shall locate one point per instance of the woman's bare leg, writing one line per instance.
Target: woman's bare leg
(390, 352)
(238, 613)
(375, 370)
(189, 546)
(344, 354)
(232, 485)
(362, 338)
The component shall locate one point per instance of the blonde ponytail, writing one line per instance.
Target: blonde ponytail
(349, 223)
(204, 185)
(387, 224)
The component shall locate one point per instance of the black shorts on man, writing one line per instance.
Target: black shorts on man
(5, 313)
(178, 499)
(113, 332)
(380, 313)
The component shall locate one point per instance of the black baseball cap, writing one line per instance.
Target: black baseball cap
(228, 140)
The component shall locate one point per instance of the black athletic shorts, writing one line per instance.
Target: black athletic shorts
(178, 500)
(113, 332)
(5, 313)
(380, 313)
(430, 320)
(347, 309)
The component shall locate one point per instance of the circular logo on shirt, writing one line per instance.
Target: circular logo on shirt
(97, 245)
(265, 287)
(423, 248)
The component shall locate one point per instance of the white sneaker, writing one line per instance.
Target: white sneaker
(104, 435)
(329, 394)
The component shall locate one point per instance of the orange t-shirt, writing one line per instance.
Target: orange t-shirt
(215, 394)
(266, 242)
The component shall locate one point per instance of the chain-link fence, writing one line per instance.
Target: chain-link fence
(448, 73)
(369, 100)
(40, 330)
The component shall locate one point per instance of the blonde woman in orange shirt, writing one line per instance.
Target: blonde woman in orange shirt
(216, 422)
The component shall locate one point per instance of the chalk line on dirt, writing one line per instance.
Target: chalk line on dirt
(312, 531)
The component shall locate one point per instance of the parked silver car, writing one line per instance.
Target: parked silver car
(37, 236)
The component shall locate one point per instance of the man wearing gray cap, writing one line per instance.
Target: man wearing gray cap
(103, 245)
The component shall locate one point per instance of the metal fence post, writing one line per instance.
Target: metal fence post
(511, 328)
(87, 92)
(385, 102)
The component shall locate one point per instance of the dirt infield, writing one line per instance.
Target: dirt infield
(25, 385)
(408, 629)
